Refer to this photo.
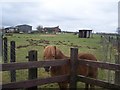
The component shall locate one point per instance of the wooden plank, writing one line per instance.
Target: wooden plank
(73, 63)
(35, 82)
(38, 64)
(96, 82)
(12, 59)
(32, 72)
(32, 64)
(104, 65)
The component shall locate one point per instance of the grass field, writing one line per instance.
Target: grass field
(27, 42)
(68, 40)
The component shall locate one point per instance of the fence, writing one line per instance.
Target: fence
(12, 56)
(33, 81)
(114, 42)
(5, 50)
(33, 64)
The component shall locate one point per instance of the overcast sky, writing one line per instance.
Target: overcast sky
(69, 15)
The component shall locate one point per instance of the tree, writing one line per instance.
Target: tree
(40, 28)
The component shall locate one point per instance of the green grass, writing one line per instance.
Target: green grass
(89, 45)
(86, 45)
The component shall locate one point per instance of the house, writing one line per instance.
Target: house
(10, 29)
(24, 28)
(85, 33)
(18, 29)
(51, 29)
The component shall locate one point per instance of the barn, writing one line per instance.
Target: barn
(85, 33)
(24, 28)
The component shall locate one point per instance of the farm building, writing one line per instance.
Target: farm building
(84, 33)
(24, 28)
(10, 29)
(52, 29)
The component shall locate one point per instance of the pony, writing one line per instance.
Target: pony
(52, 52)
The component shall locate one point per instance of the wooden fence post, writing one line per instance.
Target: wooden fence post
(12, 59)
(32, 73)
(5, 50)
(1, 44)
(73, 74)
(117, 61)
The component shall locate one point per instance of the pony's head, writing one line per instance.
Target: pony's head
(49, 54)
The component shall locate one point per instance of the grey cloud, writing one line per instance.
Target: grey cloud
(15, 13)
(97, 16)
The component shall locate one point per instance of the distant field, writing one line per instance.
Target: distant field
(27, 42)
(37, 41)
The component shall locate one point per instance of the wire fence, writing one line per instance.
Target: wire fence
(111, 53)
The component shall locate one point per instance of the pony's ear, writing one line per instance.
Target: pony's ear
(45, 46)
(55, 51)
(55, 47)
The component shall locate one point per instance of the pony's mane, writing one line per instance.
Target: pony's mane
(58, 53)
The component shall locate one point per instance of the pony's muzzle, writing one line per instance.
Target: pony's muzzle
(47, 69)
